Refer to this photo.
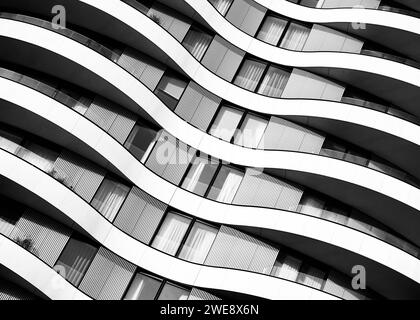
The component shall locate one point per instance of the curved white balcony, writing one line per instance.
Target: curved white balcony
(86, 217)
(337, 238)
(37, 273)
(394, 30)
(330, 116)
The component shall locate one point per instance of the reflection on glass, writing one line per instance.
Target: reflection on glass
(173, 292)
(226, 184)
(143, 287)
(226, 122)
(199, 176)
(250, 74)
(198, 242)
(272, 29)
(171, 233)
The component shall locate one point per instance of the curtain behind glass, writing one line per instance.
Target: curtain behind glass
(250, 74)
(295, 37)
(272, 30)
(41, 157)
(74, 260)
(226, 185)
(199, 176)
(171, 233)
(197, 42)
(251, 131)
(143, 288)
(221, 5)
(226, 122)
(274, 82)
(109, 198)
(198, 243)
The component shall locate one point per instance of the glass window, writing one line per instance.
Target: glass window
(9, 142)
(10, 213)
(40, 156)
(141, 140)
(199, 176)
(286, 268)
(109, 197)
(250, 74)
(251, 131)
(226, 184)
(226, 123)
(171, 233)
(198, 243)
(143, 287)
(312, 277)
(272, 29)
(356, 157)
(332, 149)
(295, 37)
(173, 292)
(311, 205)
(75, 260)
(170, 89)
(221, 5)
(274, 82)
(197, 42)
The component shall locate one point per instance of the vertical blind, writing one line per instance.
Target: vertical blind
(198, 242)
(143, 287)
(171, 233)
(197, 42)
(250, 74)
(274, 82)
(295, 37)
(221, 5)
(272, 29)
(109, 198)
(74, 260)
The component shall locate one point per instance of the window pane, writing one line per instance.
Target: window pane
(140, 139)
(197, 42)
(274, 82)
(226, 185)
(295, 37)
(171, 233)
(198, 242)
(143, 288)
(10, 213)
(251, 131)
(199, 176)
(172, 292)
(311, 205)
(226, 123)
(9, 142)
(250, 74)
(74, 260)
(288, 268)
(40, 156)
(272, 30)
(109, 198)
(312, 277)
(221, 5)
(170, 89)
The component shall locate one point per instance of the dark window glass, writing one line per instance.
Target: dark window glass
(141, 139)
(75, 260)
(143, 287)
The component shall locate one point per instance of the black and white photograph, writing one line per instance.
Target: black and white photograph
(237, 155)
